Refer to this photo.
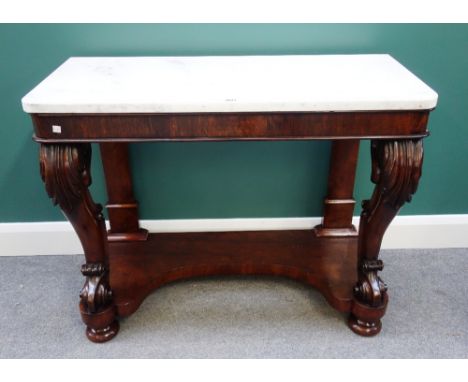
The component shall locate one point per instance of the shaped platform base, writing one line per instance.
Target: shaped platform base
(138, 268)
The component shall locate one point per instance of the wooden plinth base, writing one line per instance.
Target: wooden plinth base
(321, 231)
(140, 235)
(328, 264)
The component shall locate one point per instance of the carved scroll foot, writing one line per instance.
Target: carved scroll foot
(65, 169)
(396, 169)
(96, 304)
(97, 310)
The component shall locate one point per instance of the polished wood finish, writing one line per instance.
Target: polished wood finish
(396, 169)
(65, 170)
(139, 268)
(230, 126)
(339, 203)
(121, 206)
(344, 268)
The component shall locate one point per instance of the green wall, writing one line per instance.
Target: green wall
(234, 179)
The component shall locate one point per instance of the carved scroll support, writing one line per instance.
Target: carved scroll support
(65, 170)
(396, 169)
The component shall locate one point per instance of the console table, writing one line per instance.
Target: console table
(344, 98)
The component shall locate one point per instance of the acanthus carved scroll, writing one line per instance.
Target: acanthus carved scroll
(65, 172)
(396, 169)
(96, 292)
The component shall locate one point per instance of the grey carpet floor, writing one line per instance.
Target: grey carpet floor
(241, 317)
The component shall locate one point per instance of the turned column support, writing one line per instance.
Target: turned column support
(121, 206)
(338, 206)
(396, 169)
(65, 170)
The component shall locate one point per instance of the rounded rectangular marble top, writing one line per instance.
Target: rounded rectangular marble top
(309, 83)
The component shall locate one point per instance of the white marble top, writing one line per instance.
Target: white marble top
(229, 84)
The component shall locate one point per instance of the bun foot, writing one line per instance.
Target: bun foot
(100, 326)
(103, 335)
(364, 328)
(365, 320)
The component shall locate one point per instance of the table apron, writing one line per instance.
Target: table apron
(229, 126)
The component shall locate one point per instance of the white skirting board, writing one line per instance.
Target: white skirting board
(58, 238)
